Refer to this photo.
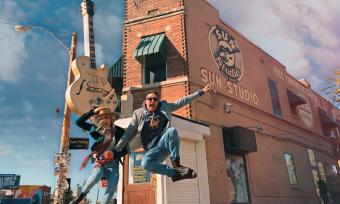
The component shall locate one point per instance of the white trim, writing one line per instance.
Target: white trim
(202, 173)
(162, 83)
(189, 135)
(160, 198)
(189, 131)
(120, 184)
(123, 123)
(190, 126)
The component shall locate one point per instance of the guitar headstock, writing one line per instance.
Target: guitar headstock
(87, 7)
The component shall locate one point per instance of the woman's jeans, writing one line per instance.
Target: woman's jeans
(167, 145)
(111, 172)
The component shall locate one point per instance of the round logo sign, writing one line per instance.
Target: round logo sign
(226, 53)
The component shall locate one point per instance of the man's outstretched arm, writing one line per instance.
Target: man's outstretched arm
(129, 133)
(188, 99)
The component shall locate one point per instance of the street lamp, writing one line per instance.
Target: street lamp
(21, 28)
(63, 157)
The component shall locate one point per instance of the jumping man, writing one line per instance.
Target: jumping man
(150, 128)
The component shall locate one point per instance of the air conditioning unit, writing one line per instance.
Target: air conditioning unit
(239, 140)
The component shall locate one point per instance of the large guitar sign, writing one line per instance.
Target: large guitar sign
(91, 87)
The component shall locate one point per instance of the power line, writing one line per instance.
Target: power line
(5, 22)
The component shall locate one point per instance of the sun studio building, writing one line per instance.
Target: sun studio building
(261, 136)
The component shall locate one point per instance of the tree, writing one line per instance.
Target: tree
(332, 90)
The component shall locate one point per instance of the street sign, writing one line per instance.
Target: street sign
(79, 143)
(9, 181)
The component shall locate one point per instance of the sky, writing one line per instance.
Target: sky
(303, 35)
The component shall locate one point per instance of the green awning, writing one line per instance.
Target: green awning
(117, 69)
(153, 44)
(116, 73)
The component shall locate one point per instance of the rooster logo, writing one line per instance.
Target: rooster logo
(226, 54)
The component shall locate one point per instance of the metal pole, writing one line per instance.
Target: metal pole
(97, 194)
(65, 134)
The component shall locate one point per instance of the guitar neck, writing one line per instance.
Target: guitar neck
(89, 45)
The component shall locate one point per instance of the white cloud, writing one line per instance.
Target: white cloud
(28, 106)
(302, 35)
(42, 137)
(12, 47)
(99, 54)
(42, 77)
(5, 149)
(108, 24)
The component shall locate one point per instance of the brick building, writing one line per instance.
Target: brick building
(261, 136)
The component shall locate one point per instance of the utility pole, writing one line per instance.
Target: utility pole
(62, 160)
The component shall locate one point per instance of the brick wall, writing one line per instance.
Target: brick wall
(173, 27)
(141, 8)
(168, 19)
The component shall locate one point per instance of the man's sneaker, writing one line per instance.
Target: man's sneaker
(178, 176)
(182, 172)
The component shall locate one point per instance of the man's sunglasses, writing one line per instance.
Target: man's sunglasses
(150, 98)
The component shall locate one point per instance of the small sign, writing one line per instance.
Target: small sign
(79, 143)
(137, 174)
(9, 181)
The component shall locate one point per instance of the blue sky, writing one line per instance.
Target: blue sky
(303, 35)
(33, 74)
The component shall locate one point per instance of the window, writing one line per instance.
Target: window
(311, 158)
(316, 179)
(275, 98)
(322, 172)
(291, 169)
(151, 53)
(154, 69)
(294, 101)
(313, 165)
(293, 110)
(237, 172)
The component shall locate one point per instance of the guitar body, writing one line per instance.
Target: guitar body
(90, 88)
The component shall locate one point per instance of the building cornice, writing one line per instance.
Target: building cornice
(144, 19)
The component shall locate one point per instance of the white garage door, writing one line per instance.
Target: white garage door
(185, 191)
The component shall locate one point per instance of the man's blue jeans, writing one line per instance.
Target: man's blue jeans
(167, 145)
(111, 172)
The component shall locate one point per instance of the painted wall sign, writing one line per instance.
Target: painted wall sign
(304, 110)
(226, 53)
(228, 87)
(306, 114)
(294, 83)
